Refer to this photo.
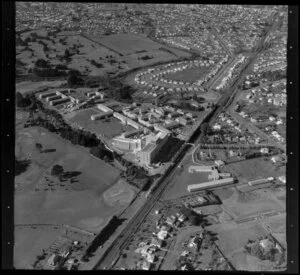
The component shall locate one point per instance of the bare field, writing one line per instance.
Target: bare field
(110, 128)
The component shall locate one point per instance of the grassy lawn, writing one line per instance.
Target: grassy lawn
(80, 203)
(231, 239)
(180, 181)
(254, 169)
(129, 43)
(250, 204)
(188, 75)
(110, 128)
(29, 242)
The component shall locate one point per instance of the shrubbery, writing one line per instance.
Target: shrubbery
(22, 101)
(21, 166)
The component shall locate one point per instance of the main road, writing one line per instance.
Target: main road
(112, 254)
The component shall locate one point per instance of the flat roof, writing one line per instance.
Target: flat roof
(149, 147)
(210, 183)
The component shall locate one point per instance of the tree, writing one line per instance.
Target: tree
(22, 101)
(38, 146)
(19, 99)
(256, 251)
(72, 80)
(67, 54)
(57, 170)
(42, 63)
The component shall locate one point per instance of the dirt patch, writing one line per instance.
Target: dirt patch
(121, 193)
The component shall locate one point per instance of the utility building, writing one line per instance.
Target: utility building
(209, 184)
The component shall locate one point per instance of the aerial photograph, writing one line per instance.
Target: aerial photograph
(150, 136)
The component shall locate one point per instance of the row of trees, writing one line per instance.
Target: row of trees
(104, 235)
(96, 64)
(49, 72)
(193, 217)
(44, 69)
(74, 79)
(21, 166)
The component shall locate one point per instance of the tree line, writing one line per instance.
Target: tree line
(102, 237)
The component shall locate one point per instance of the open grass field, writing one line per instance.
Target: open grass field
(88, 202)
(88, 50)
(231, 240)
(30, 241)
(129, 43)
(80, 203)
(25, 87)
(252, 203)
(110, 128)
(277, 224)
(254, 169)
(188, 75)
